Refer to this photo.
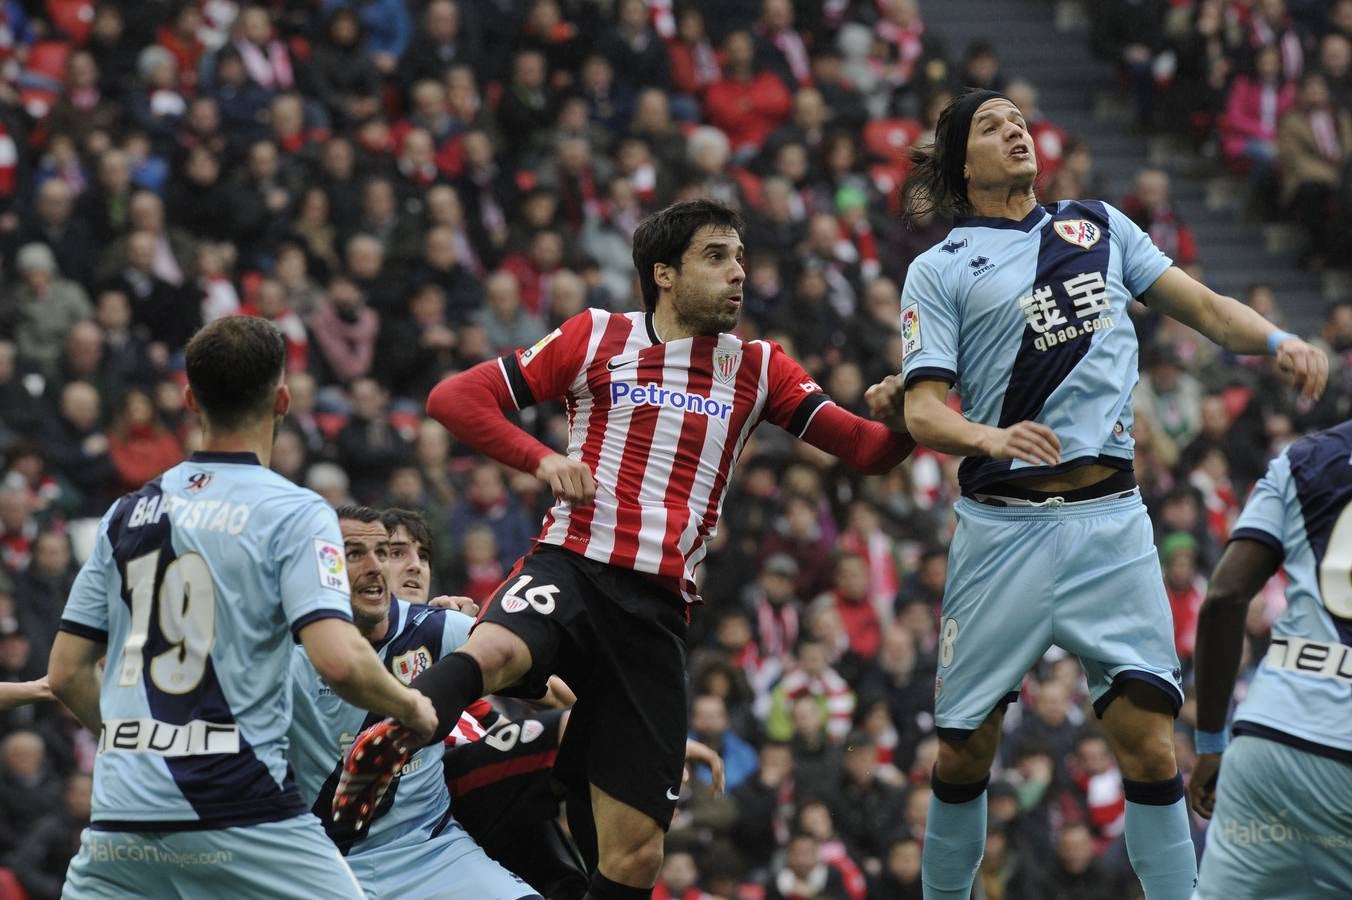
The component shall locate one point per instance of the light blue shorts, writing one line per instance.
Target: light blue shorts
(1281, 829)
(1085, 577)
(289, 859)
(450, 866)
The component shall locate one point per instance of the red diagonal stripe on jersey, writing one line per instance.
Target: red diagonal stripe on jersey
(634, 460)
(482, 777)
(598, 383)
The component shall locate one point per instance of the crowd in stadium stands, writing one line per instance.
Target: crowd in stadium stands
(407, 189)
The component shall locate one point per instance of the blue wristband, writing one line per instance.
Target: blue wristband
(1210, 741)
(1274, 340)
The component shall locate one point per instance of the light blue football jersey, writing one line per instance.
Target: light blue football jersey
(1029, 320)
(417, 805)
(198, 583)
(1302, 691)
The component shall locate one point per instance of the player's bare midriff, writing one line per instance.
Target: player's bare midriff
(1069, 481)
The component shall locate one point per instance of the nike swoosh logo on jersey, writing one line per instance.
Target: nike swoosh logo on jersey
(612, 364)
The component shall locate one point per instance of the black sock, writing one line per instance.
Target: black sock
(602, 888)
(452, 684)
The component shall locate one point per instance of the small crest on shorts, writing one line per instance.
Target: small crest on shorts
(726, 364)
(531, 729)
(408, 666)
(1080, 232)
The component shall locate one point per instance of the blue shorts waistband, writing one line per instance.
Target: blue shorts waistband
(1048, 510)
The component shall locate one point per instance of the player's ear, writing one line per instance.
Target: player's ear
(664, 275)
(190, 400)
(281, 403)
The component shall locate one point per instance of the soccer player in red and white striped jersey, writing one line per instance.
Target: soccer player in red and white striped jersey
(660, 404)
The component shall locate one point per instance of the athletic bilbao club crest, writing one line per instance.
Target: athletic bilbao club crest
(408, 666)
(1080, 232)
(726, 364)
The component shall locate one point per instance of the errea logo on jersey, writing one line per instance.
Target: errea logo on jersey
(656, 395)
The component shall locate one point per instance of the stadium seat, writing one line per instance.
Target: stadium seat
(73, 18)
(890, 139)
(48, 58)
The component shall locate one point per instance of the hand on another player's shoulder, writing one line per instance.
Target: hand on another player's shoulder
(1031, 442)
(1307, 367)
(887, 402)
(459, 604)
(568, 478)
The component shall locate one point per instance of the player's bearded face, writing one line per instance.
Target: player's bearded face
(999, 147)
(367, 546)
(707, 291)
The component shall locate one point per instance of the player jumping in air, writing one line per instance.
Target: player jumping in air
(660, 403)
(198, 584)
(1280, 828)
(1023, 308)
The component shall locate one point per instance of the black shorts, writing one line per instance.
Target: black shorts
(617, 637)
(502, 792)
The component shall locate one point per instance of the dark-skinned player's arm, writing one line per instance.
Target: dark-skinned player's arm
(1244, 568)
(473, 406)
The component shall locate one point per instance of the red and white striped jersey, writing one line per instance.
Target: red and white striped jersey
(661, 425)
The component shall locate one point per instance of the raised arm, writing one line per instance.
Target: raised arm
(1238, 328)
(473, 406)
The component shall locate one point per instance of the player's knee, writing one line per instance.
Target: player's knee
(503, 657)
(963, 762)
(637, 861)
(1148, 756)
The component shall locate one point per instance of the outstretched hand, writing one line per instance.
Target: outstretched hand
(699, 754)
(1306, 366)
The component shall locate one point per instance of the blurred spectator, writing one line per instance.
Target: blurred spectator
(369, 447)
(43, 854)
(169, 314)
(506, 321)
(635, 49)
(487, 502)
(851, 600)
(901, 870)
(1335, 339)
(26, 785)
(1131, 36)
(78, 447)
(1186, 589)
(1314, 145)
(868, 811)
(1169, 395)
(1256, 104)
(805, 876)
(745, 104)
(345, 331)
(1151, 208)
(52, 223)
(709, 726)
(40, 592)
(386, 29)
(812, 677)
(47, 306)
(446, 38)
(1078, 875)
(679, 878)
(346, 79)
(140, 447)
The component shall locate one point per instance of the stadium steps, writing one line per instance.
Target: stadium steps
(1084, 96)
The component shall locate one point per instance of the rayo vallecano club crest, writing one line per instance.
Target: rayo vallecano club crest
(410, 665)
(726, 364)
(1080, 232)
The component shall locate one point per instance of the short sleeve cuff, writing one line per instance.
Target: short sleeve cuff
(299, 625)
(1259, 535)
(1164, 265)
(922, 373)
(88, 632)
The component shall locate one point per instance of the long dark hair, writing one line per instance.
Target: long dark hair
(927, 188)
